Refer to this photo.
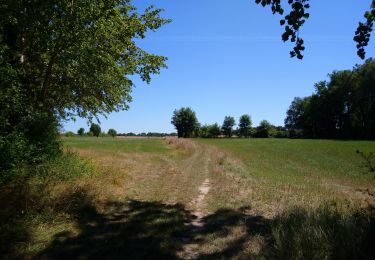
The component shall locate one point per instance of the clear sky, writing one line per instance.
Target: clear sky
(227, 58)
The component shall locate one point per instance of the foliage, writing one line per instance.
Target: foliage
(112, 132)
(210, 131)
(245, 126)
(264, 130)
(185, 122)
(95, 129)
(340, 108)
(69, 134)
(81, 131)
(363, 32)
(227, 127)
(298, 15)
(61, 59)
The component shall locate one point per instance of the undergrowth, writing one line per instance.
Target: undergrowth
(37, 200)
(330, 231)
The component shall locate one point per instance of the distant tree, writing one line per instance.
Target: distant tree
(95, 130)
(298, 15)
(203, 132)
(214, 130)
(245, 126)
(112, 132)
(69, 134)
(81, 131)
(185, 122)
(227, 126)
(264, 129)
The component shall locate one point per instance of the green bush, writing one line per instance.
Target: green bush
(68, 165)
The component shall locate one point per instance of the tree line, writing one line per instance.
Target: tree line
(341, 108)
(187, 125)
(95, 130)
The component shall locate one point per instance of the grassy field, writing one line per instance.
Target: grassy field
(200, 198)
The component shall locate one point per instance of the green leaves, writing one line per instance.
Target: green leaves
(78, 54)
(61, 59)
(363, 32)
(291, 22)
(298, 15)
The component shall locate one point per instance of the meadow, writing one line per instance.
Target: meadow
(196, 198)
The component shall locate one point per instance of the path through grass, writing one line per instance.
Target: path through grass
(178, 198)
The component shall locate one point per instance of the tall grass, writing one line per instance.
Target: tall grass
(38, 200)
(327, 232)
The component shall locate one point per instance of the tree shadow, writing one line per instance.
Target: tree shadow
(139, 229)
(134, 229)
(149, 229)
(220, 225)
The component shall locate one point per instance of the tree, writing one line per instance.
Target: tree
(185, 121)
(61, 59)
(81, 131)
(95, 130)
(213, 130)
(342, 107)
(227, 126)
(298, 15)
(245, 126)
(264, 129)
(112, 132)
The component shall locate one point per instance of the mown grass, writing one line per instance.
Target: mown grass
(288, 158)
(118, 145)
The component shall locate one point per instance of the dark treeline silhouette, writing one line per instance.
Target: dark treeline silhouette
(341, 108)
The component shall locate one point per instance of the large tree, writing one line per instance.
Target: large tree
(342, 107)
(60, 59)
(298, 15)
(185, 122)
(228, 125)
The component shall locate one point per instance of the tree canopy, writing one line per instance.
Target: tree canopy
(81, 131)
(264, 129)
(95, 129)
(185, 122)
(343, 107)
(60, 59)
(112, 132)
(298, 15)
(228, 125)
(245, 126)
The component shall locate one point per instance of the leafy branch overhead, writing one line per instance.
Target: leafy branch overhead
(298, 15)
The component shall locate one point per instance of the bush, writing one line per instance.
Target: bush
(68, 165)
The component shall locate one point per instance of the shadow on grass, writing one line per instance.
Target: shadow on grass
(134, 229)
(139, 229)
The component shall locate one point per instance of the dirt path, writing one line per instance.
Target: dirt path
(198, 204)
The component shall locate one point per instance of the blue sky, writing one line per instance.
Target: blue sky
(227, 58)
